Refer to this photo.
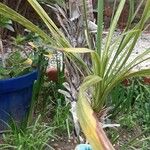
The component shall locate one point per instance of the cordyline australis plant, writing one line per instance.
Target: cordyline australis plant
(110, 63)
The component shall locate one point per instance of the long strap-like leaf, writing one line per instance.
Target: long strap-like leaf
(13, 15)
(88, 120)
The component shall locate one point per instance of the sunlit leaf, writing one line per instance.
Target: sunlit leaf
(13, 15)
(77, 50)
(88, 120)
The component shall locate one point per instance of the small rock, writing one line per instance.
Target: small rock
(55, 145)
(52, 140)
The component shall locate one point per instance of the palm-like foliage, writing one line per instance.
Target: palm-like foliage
(112, 63)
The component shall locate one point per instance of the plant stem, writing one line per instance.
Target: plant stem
(114, 9)
(68, 129)
(2, 52)
(36, 88)
(100, 26)
(86, 24)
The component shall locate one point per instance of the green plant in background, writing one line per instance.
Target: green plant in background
(6, 23)
(61, 117)
(35, 136)
(138, 105)
(130, 102)
(16, 65)
(60, 2)
(51, 103)
(21, 60)
(42, 62)
(110, 63)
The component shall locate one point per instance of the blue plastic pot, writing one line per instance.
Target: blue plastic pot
(15, 97)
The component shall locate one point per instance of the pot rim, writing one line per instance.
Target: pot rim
(18, 83)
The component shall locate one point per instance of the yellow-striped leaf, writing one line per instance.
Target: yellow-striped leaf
(88, 120)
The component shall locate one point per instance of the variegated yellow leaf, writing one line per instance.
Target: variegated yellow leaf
(77, 50)
(88, 120)
(28, 61)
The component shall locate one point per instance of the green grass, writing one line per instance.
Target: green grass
(131, 110)
(53, 107)
(33, 137)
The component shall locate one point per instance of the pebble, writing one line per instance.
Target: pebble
(55, 145)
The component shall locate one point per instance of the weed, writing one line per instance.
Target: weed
(33, 137)
(131, 109)
(131, 102)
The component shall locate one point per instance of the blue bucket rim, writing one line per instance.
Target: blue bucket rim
(22, 76)
(18, 83)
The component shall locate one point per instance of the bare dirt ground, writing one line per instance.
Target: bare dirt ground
(64, 143)
(142, 44)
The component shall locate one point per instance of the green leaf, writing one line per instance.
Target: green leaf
(143, 72)
(88, 120)
(60, 39)
(76, 50)
(9, 13)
